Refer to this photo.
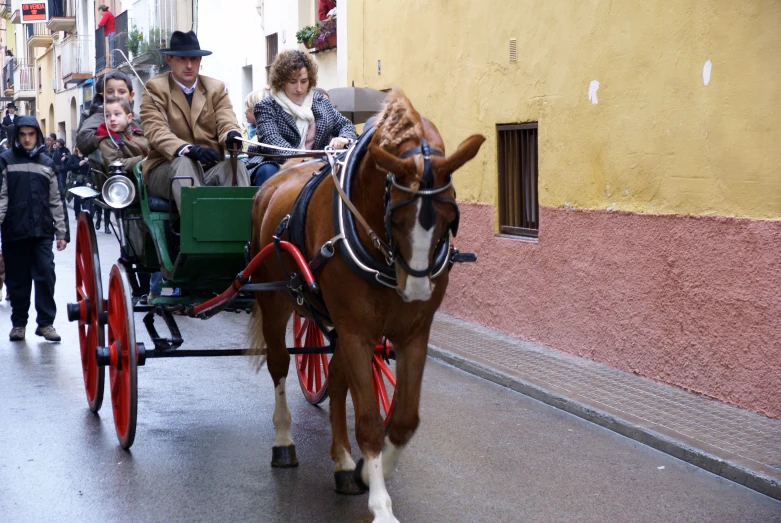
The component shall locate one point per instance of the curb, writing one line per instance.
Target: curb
(714, 460)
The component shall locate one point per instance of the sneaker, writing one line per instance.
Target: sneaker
(17, 334)
(106, 230)
(48, 333)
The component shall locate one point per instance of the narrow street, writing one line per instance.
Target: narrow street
(202, 449)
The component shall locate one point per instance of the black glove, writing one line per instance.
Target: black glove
(233, 140)
(203, 154)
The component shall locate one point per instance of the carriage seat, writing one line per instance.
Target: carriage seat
(157, 204)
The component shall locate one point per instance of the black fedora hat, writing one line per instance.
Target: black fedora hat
(184, 44)
(10, 105)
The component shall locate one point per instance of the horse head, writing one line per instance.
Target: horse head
(420, 206)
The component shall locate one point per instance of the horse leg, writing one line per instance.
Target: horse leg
(410, 360)
(341, 452)
(276, 313)
(357, 354)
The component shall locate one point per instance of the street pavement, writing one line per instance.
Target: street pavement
(202, 451)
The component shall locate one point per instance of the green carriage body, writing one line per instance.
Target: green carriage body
(214, 227)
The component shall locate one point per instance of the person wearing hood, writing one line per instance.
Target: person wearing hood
(31, 216)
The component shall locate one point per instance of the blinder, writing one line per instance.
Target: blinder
(427, 193)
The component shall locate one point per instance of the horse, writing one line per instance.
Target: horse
(403, 186)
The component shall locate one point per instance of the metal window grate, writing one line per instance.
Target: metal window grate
(518, 173)
(272, 49)
(513, 50)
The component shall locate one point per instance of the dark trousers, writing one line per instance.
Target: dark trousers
(263, 173)
(29, 261)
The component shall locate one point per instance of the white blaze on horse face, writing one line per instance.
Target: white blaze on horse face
(379, 500)
(281, 418)
(419, 288)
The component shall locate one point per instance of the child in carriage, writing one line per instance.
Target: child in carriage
(119, 139)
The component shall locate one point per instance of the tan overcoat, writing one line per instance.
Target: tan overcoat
(172, 123)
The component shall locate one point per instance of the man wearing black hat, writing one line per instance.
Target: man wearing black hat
(189, 121)
(9, 119)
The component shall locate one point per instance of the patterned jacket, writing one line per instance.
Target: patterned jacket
(276, 127)
(30, 202)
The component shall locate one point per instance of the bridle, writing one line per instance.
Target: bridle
(427, 193)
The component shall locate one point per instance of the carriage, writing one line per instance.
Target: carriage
(305, 244)
(207, 260)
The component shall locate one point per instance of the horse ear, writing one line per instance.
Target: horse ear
(465, 152)
(391, 163)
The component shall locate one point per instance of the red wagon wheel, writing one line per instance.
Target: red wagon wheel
(88, 309)
(384, 380)
(312, 369)
(123, 356)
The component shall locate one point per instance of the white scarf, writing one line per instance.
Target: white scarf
(301, 113)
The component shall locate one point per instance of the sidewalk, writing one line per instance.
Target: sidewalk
(736, 444)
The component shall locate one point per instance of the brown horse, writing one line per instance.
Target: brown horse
(408, 152)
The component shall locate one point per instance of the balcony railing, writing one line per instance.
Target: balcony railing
(38, 35)
(121, 38)
(24, 81)
(76, 66)
(62, 15)
(100, 49)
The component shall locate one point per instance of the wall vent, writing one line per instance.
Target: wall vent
(513, 50)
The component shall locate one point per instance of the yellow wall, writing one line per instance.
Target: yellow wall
(46, 98)
(658, 141)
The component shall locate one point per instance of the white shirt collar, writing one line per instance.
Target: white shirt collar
(187, 90)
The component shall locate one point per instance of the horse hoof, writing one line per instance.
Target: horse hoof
(357, 476)
(284, 457)
(345, 483)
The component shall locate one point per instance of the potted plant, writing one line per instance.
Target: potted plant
(134, 39)
(326, 38)
(307, 35)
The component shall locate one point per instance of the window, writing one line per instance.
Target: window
(272, 49)
(517, 152)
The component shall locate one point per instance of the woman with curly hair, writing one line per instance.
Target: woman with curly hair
(295, 116)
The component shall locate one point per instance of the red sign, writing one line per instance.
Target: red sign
(34, 12)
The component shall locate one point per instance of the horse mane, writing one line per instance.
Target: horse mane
(398, 121)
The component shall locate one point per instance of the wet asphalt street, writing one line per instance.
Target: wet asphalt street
(203, 447)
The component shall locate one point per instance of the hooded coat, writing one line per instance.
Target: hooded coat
(30, 200)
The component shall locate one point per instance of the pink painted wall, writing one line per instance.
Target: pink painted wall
(693, 301)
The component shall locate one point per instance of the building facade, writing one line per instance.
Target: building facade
(259, 30)
(626, 207)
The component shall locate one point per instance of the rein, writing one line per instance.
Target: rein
(426, 191)
(330, 153)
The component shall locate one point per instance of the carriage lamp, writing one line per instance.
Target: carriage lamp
(118, 191)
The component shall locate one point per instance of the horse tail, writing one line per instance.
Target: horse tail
(257, 342)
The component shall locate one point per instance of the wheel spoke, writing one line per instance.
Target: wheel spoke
(316, 371)
(379, 385)
(310, 377)
(324, 362)
(386, 370)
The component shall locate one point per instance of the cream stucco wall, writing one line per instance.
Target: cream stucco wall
(46, 96)
(657, 141)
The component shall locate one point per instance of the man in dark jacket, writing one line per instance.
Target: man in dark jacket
(8, 119)
(31, 216)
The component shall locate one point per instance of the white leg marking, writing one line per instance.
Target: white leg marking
(379, 500)
(345, 462)
(390, 458)
(419, 288)
(281, 418)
